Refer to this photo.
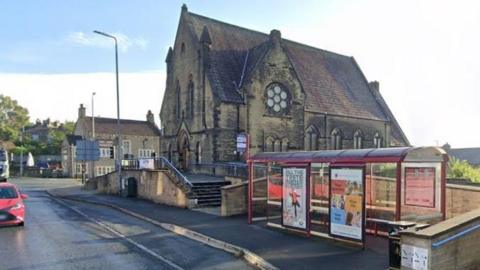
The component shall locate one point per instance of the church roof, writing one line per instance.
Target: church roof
(333, 83)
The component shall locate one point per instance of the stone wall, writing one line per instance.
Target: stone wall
(234, 199)
(461, 243)
(461, 199)
(151, 185)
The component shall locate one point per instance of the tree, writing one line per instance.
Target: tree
(462, 169)
(12, 118)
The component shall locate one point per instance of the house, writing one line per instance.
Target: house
(69, 165)
(224, 79)
(140, 139)
(471, 155)
(41, 130)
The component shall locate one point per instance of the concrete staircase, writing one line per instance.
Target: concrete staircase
(206, 189)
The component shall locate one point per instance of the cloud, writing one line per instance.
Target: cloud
(93, 40)
(58, 95)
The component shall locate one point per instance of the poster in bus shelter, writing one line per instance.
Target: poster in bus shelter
(346, 203)
(420, 186)
(294, 212)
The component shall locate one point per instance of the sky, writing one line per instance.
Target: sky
(424, 54)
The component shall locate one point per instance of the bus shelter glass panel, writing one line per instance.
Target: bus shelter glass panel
(259, 191)
(381, 191)
(274, 194)
(421, 192)
(319, 197)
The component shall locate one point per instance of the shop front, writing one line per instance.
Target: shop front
(345, 194)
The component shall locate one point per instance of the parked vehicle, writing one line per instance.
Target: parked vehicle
(4, 166)
(12, 209)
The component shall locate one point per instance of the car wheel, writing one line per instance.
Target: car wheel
(21, 224)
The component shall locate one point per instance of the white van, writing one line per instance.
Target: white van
(4, 166)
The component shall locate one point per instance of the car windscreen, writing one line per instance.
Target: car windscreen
(8, 193)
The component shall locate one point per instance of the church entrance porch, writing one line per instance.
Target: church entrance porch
(183, 151)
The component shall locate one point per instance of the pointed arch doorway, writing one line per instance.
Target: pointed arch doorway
(183, 146)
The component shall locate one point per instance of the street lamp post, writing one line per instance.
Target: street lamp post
(93, 133)
(119, 135)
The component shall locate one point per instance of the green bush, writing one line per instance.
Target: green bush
(462, 169)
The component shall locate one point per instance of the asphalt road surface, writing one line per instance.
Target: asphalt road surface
(61, 234)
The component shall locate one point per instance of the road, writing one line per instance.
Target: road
(72, 235)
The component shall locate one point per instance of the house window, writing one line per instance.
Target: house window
(145, 153)
(336, 139)
(357, 140)
(170, 152)
(105, 152)
(277, 99)
(127, 147)
(191, 99)
(377, 140)
(311, 138)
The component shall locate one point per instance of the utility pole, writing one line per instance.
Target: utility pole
(21, 152)
(93, 133)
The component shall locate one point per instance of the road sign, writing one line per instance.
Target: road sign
(241, 142)
(87, 150)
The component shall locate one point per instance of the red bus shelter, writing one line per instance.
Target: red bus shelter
(347, 193)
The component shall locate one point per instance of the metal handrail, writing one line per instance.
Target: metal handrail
(455, 236)
(177, 173)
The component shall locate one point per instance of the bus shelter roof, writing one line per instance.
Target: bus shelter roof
(396, 154)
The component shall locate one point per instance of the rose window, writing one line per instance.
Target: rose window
(277, 98)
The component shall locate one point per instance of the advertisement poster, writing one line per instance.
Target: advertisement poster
(420, 186)
(294, 197)
(346, 203)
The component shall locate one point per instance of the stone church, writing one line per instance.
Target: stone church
(223, 80)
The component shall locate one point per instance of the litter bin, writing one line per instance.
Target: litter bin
(394, 249)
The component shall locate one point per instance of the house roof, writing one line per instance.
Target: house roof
(332, 82)
(128, 127)
(72, 139)
(471, 155)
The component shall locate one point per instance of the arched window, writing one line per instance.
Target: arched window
(378, 140)
(358, 140)
(336, 139)
(178, 104)
(277, 99)
(182, 48)
(269, 144)
(311, 138)
(285, 145)
(278, 146)
(198, 153)
(191, 98)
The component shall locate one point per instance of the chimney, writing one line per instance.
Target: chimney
(81, 111)
(150, 117)
(275, 37)
(374, 85)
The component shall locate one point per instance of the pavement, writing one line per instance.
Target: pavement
(280, 248)
(64, 234)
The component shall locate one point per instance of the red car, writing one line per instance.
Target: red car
(12, 209)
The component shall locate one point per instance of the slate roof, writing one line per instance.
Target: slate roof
(333, 83)
(471, 155)
(128, 127)
(72, 139)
